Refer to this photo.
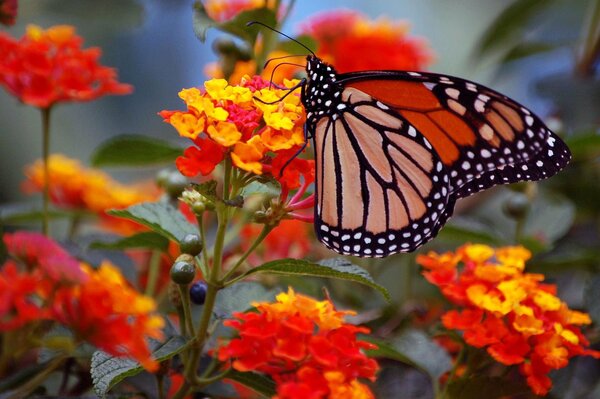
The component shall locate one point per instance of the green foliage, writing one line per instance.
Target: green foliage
(258, 383)
(162, 217)
(134, 150)
(147, 240)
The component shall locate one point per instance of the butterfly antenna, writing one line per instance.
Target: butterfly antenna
(281, 33)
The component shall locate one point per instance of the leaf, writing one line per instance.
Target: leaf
(583, 146)
(423, 352)
(238, 298)
(482, 386)
(134, 150)
(338, 268)
(291, 47)
(385, 350)
(269, 188)
(161, 217)
(527, 49)
(592, 298)
(201, 21)
(107, 370)
(258, 383)
(509, 24)
(238, 26)
(20, 213)
(462, 229)
(148, 240)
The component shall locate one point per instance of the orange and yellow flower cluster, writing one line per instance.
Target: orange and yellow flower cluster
(224, 10)
(305, 346)
(74, 186)
(351, 42)
(46, 67)
(256, 125)
(513, 314)
(42, 281)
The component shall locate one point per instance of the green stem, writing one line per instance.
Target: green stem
(203, 267)
(45, 160)
(38, 379)
(187, 309)
(160, 385)
(153, 273)
(519, 229)
(263, 234)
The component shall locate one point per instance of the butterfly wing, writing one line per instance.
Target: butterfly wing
(381, 188)
(483, 137)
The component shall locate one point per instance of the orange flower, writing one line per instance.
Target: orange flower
(351, 42)
(304, 345)
(224, 10)
(108, 313)
(46, 67)
(516, 317)
(74, 186)
(254, 124)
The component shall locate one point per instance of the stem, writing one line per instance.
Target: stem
(591, 42)
(160, 385)
(187, 309)
(203, 267)
(263, 234)
(45, 156)
(38, 379)
(153, 273)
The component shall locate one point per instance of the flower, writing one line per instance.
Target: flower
(74, 186)
(46, 67)
(304, 345)
(108, 313)
(224, 10)
(516, 317)
(8, 12)
(253, 124)
(351, 42)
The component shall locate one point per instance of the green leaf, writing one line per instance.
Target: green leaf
(107, 370)
(387, 351)
(134, 150)
(201, 21)
(258, 383)
(527, 49)
(592, 298)
(462, 229)
(238, 298)
(476, 387)
(21, 214)
(148, 240)
(510, 24)
(161, 217)
(419, 349)
(266, 187)
(583, 146)
(338, 268)
(291, 47)
(238, 25)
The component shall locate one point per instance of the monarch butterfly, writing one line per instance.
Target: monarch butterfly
(395, 150)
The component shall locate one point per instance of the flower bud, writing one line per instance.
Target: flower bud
(516, 206)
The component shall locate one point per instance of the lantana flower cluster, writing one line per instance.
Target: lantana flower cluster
(305, 346)
(516, 317)
(41, 281)
(224, 10)
(255, 124)
(382, 44)
(74, 186)
(45, 67)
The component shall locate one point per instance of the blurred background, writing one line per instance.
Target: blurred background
(154, 48)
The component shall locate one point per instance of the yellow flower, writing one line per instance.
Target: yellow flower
(225, 133)
(479, 252)
(187, 125)
(247, 156)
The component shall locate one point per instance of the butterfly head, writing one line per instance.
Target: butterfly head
(322, 91)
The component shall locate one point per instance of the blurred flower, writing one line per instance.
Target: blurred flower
(253, 124)
(351, 42)
(45, 67)
(290, 239)
(108, 313)
(74, 186)
(304, 345)
(516, 317)
(224, 10)
(8, 12)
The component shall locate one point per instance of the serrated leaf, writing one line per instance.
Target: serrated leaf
(148, 240)
(258, 383)
(201, 22)
(161, 217)
(107, 370)
(134, 150)
(337, 268)
(592, 298)
(423, 352)
(238, 26)
(509, 24)
(477, 387)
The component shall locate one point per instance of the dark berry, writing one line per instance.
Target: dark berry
(182, 272)
(191, 244)
(198, 292)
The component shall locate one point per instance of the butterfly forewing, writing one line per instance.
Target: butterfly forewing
(395, 150)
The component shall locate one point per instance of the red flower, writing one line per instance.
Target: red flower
(200, 159)
(382, 44)
(47, 67)
(304, 345)
(8, 12)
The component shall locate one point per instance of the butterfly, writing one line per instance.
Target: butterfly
(395, 150)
